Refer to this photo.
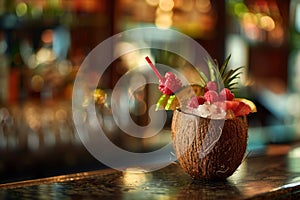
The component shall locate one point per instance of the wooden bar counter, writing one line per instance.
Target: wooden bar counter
(274, 174)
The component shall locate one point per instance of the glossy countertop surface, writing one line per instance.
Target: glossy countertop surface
(276, 173)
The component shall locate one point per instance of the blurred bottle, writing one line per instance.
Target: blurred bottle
(18, 83)
(4, 70)
(294, 57)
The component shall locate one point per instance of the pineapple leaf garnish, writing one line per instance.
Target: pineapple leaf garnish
(224, 66)
(212, 72)
(203, 80)
(228, 77)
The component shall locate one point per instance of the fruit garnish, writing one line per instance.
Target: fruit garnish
(247, 102)
(226, 94)
(225, 98)
(171, 102)
(170, 84)
(210, 95)
(237, 107)
(242, 109)
(196, 101)
(162, 102)
(211, 85)
(167, 85)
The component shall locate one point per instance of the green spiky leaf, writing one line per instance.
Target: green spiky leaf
(227, 76)
(212, 72)
(231, 76)
(204, 79)
(224, 66)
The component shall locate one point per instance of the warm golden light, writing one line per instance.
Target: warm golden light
(259, 23)
(37, 83)
(163, 22)
(163, 19)
(32, 62)
(249, 22)
(166, 5)
(267, 23)
(64, 67)
(134, 178)
(130, 58)
(61, 115)
(249, 18)
(152, 2)
(32, 117)
(100, 96)
(44, 55)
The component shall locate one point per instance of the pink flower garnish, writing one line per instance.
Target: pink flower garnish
(170, 84)
(167, 85)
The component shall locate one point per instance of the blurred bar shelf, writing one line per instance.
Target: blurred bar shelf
(274, 174)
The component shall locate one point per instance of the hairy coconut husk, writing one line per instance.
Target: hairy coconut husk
(209, 148)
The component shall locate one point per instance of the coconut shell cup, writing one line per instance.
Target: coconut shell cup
(209, 149)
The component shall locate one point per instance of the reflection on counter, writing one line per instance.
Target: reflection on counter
(279, 179)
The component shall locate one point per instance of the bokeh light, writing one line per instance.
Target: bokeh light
(166, 5)
(21, 9)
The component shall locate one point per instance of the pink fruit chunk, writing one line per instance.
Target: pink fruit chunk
(242, 109)
(237, 107)
(231, 105)
(211, 85)
(226, 94)
(211, 96)
(196, 101)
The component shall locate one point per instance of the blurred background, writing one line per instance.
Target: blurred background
(43, 43)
